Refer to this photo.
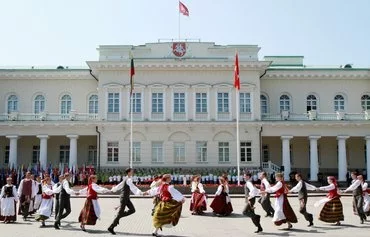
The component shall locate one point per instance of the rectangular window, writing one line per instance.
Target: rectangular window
(136, 102)
(201, 151)
(64, 154)
(179, 151)
(245, 151)
(201, 102)
(7, 150)
(157, 102)
(245, 102)
(265, 153)
(112, 151)
(223, 152)
(157, 152)
(223, 102)
(113, 102)
(35, 154)
(92, 155)
(136, 152)
(179, 102)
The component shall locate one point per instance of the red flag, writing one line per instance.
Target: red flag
(236, 73)
(183, 9)
(132, 73)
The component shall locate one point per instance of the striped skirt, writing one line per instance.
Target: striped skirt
(87, 214)
(332, 211)
(167, 213)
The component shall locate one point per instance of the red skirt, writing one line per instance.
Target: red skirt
(198, 203)
(220, 206)
(87, 214)
(288, 212)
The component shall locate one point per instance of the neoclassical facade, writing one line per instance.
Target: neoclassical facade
(292, 117)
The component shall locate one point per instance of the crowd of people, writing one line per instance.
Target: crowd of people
(42, 197)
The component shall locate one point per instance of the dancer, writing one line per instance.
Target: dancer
(126, 186)
(157, 181)
(64, 200)
(283, 211)
(44, 212)
(57, 194)
(168, 210)
(332, 212)
(250, 199)
(91, 210)
(8, 200)
(38, 194)
(25, 195)
(221, 204)
(366, 196)
(31, 209)
(301, 188)
(198, 202)
(264, 200)
(358, 198)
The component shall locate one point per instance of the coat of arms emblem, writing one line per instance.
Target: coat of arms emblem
(179, 49)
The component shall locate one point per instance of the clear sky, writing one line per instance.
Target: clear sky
(67, 32)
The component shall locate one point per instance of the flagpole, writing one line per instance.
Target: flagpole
(131, 129)
(179, 19)
(237, 134)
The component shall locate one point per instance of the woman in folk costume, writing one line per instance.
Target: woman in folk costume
(332, 212)
(157, 181)
(283, 211)
(8, 200)
(168, 211)
(91, 210)
(38, 196)
(365, 192)
(45, 209)
(221, 204)
(198, 202)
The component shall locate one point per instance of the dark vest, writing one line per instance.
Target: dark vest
(303, 192)
(57, 194)
(63, 192)
(125, 192)
(8, 192)
(40, 189)
(358, 191)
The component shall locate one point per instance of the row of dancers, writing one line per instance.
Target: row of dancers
(168, 201)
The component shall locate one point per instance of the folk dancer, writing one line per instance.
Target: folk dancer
(125, 187)
(168, 211)
(157, 181)
(38, 195)
(198, 202)
(221, 204)
(91, 210)
(8, 200)
(358, 198)
(64, 200)
(31, 209)
(25, 191)
(250, 199)
(283, 211)
(46, 207)
(332, 212)
(366, 196)
(264, 200)
(301, 188)
(57, 194)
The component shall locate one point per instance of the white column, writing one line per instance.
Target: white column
(367, 138)
(43, 151)
(286, 156)
(314, 160)
(13, 148)
(342, 158)
(72, 150)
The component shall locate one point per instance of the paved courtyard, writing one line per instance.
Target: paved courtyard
(139, 224)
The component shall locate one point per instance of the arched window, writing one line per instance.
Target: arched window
(365, 102)
(284, 103)
(39, 104)
(338, 103)
(93, 104)
(65, 104)
(12, 104)
(264, 104)
(311, 103)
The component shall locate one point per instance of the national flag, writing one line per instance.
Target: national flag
(236, 73)
(183, 9)
(132, 73)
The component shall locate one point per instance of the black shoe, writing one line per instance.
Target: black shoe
(111, 230)
(259, 230)
(290, 226)
(56, 225)
(311, 224)
(362, 221)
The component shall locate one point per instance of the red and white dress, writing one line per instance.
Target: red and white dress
(198, 202)
(332, 211)
(46, 206)
(221, 204)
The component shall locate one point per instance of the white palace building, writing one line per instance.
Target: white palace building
(292, 116)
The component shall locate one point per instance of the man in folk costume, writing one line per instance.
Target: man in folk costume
(168, 211)
(57, 187)
(198, 202)
(250, 199)
(126, 187)
(25, 191)
(332, 212)
(91, 210)
(301, 188)
(31, 209)
(46, 207)
(358, 198)
(64, 200)
(265, 198)
(8, 200)
(283, 211)
(366, 195)
(38, 195)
